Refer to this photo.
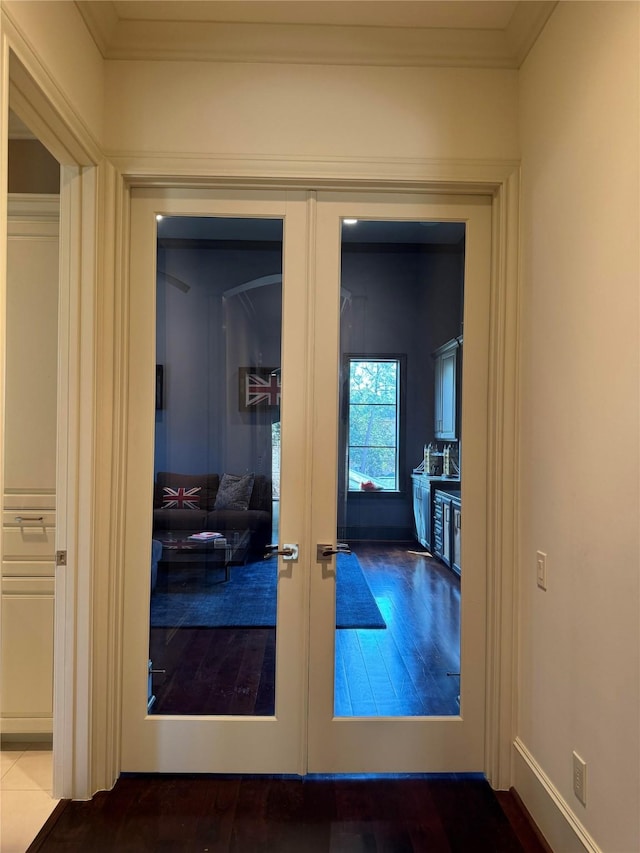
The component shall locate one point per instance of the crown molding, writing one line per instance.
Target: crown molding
(29, 206)
(309, 44)
(126, 39)
(101, 19)
(525, 26)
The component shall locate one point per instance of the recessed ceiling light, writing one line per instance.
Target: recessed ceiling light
(158, 217)
(350, 221)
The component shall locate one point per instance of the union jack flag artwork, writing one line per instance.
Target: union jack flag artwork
(180, 498)
(259, 388)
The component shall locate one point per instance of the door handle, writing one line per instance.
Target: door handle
(287, 552)
(325, 552)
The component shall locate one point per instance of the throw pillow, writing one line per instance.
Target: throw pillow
(207, 483)
(179, 497)
(234, 492)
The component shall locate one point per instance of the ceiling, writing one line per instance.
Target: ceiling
(480, 33)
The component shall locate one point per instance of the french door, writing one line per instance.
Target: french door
(256, 323)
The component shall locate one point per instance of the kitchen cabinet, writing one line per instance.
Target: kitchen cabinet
(456, 534)
(442, 527)
(447, 528)
(447, 364)
(424, 491)
(422, 509)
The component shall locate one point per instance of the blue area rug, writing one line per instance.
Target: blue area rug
(248, 600)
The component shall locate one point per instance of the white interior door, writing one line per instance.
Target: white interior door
(301, 728)
(407, 739)
(220, 316)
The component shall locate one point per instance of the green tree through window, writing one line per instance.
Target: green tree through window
(374, 394)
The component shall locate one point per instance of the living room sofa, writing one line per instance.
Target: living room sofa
(192, 503)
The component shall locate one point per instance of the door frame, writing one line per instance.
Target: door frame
(501, 183)
(33, 94)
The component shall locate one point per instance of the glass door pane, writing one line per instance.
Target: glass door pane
(216, 466)
(397, 641)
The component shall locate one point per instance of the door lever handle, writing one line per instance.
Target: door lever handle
(287, 552)
(325, 552)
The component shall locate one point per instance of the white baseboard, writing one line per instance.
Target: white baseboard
(37, 726)
(553, 816)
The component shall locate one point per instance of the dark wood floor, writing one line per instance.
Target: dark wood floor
(246, 814)
(409, 668)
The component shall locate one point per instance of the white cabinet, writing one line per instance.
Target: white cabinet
(28, 565)
(422, 508)
(446, 391)
(28, 527)
(27, 655)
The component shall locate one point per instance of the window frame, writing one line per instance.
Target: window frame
(401, 360)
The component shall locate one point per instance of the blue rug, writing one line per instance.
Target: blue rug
(248, 600)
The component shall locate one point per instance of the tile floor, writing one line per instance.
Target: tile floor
(26, 778)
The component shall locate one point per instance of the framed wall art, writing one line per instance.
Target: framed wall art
(259, 388)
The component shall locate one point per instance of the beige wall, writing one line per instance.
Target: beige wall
(194, 108)
(31, 168)
(580, 642)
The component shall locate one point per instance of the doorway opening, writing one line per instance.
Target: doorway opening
(252, 358)
(30, 477)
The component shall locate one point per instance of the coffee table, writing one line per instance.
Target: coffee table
(231, 549)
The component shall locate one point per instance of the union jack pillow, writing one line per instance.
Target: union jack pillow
(181, 498)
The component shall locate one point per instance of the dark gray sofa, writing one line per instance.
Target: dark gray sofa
(195, 512)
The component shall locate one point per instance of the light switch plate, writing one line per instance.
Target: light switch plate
(541, 569)
(580, 778)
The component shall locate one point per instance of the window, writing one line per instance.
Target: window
(373, 424)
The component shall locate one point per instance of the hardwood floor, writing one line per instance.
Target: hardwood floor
(250, 814)
(214, 670)
(410, 668)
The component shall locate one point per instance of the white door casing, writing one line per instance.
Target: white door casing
(31, 92)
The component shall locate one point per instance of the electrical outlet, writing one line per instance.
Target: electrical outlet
(580, 778)
(541, 569)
